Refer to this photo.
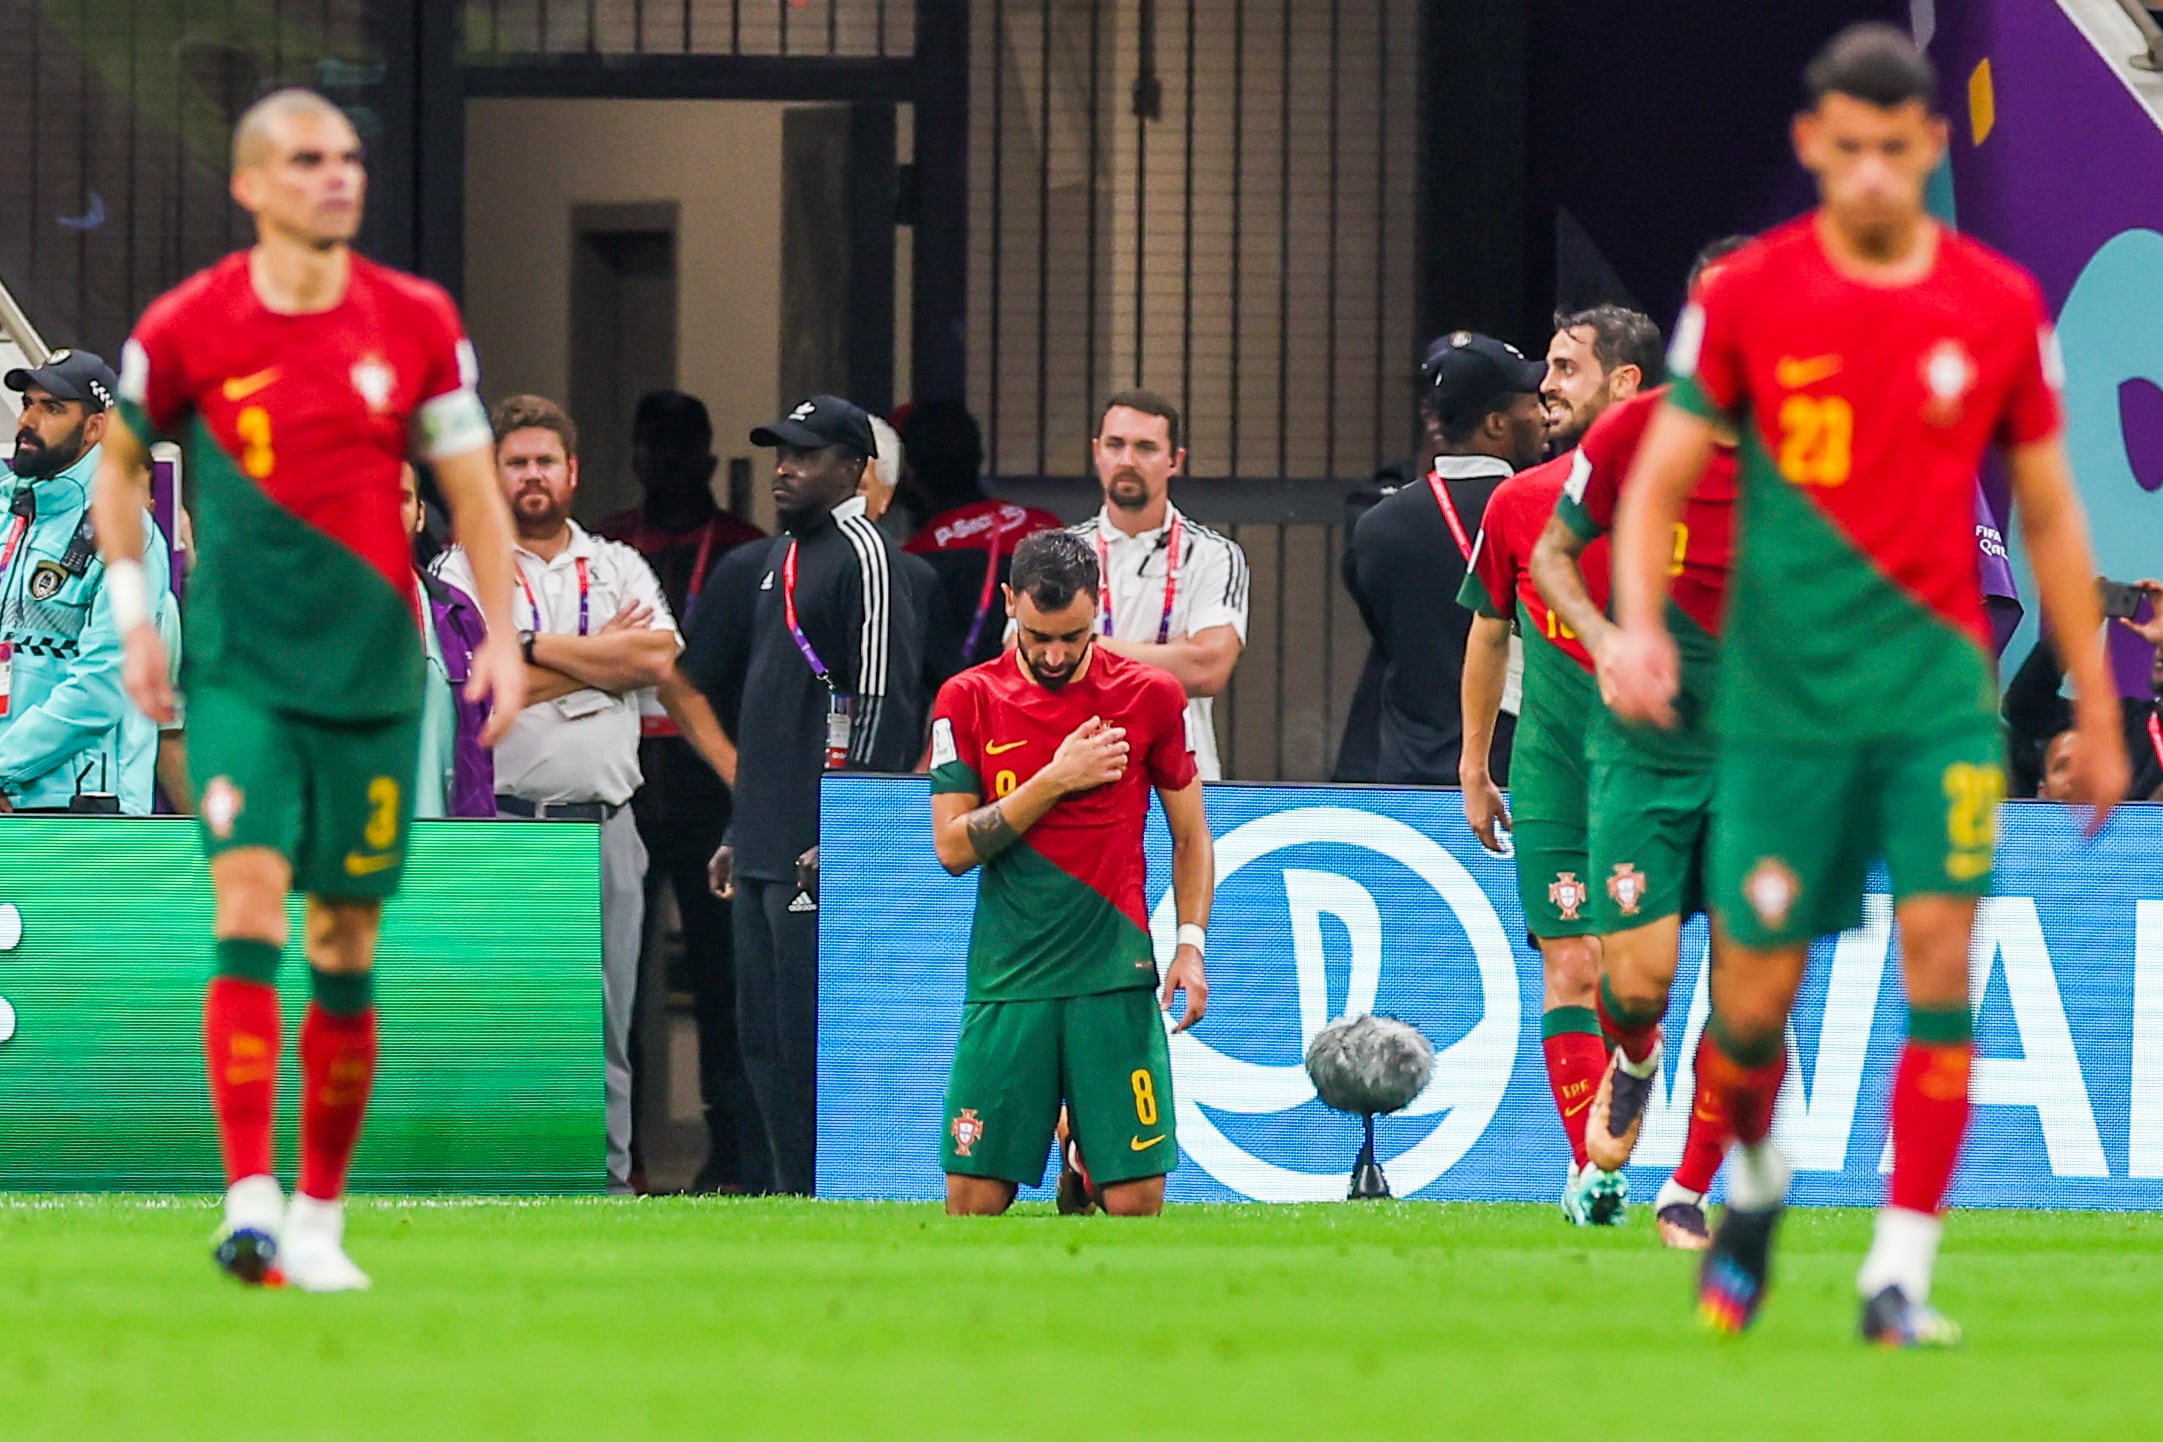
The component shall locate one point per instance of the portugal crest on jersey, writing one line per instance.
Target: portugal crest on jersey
(968, 1131)
(375, 381)
(1626, 888)
(1949, 373)
(1568, 894)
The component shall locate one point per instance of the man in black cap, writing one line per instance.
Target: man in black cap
(1480, 400)
(69, 739)
(820, 671)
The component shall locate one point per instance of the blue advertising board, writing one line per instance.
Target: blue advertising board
(1338, 900)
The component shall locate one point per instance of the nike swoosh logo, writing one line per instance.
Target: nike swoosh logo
(1793, 374)
(239, 388)
(1137, 1144)
(1573, 1111)
(358, 865)
(1000, 748)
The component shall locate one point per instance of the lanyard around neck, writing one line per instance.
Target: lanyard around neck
(533, 603)
(1449, 513)
(796, 631)
(1172, 537)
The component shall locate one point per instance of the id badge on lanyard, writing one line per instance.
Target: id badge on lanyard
(840, 712)
(7, 674)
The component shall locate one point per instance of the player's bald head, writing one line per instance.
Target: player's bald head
(257, 136)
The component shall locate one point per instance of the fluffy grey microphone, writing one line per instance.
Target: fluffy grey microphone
(1369, 1064)
(1364, 1065)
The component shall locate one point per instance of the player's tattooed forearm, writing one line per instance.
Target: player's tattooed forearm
(989, 831)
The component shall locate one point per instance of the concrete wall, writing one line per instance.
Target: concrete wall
(528, 162)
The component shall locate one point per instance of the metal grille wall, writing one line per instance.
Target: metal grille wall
(120, 113)
(855, 28)
(1214, 198)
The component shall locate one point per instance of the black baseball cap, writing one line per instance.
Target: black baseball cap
(69, 375)
(1469, 375)
(818, 423)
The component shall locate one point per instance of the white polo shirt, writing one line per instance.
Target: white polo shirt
(1210, 589)
(584, 746)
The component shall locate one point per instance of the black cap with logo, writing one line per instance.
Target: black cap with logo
(69, 375)
(818, 423)
(1469, 375)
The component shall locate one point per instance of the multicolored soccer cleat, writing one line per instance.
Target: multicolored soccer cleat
(1076, 1195)
(249, 1256)
(1737, 1269)
(1593, 1198)
(1891, 1320)
(1618, 1114)
(1683, 1226)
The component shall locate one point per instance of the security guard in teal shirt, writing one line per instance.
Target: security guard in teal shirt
(63, 712)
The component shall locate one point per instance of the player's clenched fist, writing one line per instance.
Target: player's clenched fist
(1093, 754)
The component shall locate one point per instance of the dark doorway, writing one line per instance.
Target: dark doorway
(623, 338)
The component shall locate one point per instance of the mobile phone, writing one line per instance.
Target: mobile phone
(2119, 599)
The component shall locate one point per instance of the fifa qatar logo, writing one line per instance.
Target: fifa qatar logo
(1471, 1074)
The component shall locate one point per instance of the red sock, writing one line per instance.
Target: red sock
(240, 1045)
(1575, 1062)
(338, 1066)
(1743, 1094)
(1706, 1141)
(1636, 1039)
(1930, 1119)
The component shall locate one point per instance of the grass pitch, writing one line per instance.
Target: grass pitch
(775, 1319)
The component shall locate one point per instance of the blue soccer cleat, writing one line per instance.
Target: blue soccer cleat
(1731, 1282)
(1890, 1319)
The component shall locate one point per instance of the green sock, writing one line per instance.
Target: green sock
(1941, 1025)
(1566, 1019)
(1741, 1050)
(343, 993)
(249, 960)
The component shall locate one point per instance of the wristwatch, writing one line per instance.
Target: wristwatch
(525, 646)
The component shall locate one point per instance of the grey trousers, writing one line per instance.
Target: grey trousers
(623, 917)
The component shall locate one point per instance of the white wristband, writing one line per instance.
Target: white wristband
(130, 594)
(1194, 936)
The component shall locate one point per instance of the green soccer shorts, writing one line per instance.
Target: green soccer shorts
(335, 800)
(1104, 1056)
(1799, 826)
(1548, 812)
(1651, 830)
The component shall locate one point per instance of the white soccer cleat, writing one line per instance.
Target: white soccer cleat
(311, 1252)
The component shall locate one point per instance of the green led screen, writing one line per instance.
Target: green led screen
(488, 983)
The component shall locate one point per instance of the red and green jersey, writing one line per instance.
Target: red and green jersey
(1559, 692)
(294, 428)
(1864, 411)
(1701, 558)
(1062, 911)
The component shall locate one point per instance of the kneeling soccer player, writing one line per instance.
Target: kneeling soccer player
(1062, 1001)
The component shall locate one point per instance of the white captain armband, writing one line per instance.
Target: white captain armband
(454, 423)
(943, 750)
(129, 593)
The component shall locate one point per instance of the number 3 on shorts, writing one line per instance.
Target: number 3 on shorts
(381, 833)
(1145, 1097)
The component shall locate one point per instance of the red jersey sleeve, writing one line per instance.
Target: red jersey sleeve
(1490, 587)
(957, 748)
(156, 393)
(1602, 463)
(1706, 356)
(450, 419)
(1171, 747)
(2034, 410)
